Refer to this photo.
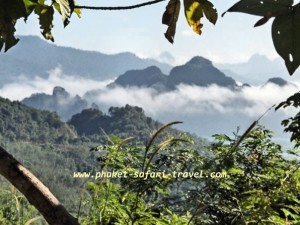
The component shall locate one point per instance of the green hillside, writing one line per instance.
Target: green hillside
(128, 121)
(19, 122)
(53, 150)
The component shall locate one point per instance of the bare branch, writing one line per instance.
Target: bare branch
(118, 7)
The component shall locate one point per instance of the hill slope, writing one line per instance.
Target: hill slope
(19, 122)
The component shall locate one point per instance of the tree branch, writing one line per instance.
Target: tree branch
(36, 192)
(118, 7)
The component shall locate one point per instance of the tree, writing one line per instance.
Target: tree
(285, 28)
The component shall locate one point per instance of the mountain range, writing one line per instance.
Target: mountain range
(198, 71)
(198, 92)
(36, 57)
(257, 69)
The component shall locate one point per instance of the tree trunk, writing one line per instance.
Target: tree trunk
(34, 190)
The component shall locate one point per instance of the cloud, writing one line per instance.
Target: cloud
(204, 110)
(24, 87)
(250, 101)
(188, 100)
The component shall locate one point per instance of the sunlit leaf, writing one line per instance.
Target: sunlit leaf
(170, 18)
(193, 14)
(194, 11)
(286, 36)
(77, 11)
(66, 7)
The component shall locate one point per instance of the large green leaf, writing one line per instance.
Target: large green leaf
(286, 38)
(170, 18)
(194, 10)
(266, 8)
(10, 12)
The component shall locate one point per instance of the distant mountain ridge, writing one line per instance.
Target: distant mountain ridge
(198, 71)
(257, 69)
(279, 82)
(140, 78)
(35, 57)
(60, 101)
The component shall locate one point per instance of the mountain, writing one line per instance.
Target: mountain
(60, 101)
(35, 57)
(279, 82)
(149, 77)
(198, 71)
(257, 69)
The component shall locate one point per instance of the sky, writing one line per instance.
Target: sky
(233, 38)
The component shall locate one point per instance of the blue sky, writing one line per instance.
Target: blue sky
(232, 39)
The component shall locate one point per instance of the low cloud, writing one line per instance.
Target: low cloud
(251, 101)
(24, 87)
(204, 110)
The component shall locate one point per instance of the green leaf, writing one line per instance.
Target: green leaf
(29, 7)
(66, 7)
(209, 11)
(46, 18)
(170, 18)
(266, 8)
(10, 12)
(286, 36)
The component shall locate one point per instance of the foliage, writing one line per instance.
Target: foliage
(255, 183)
(292, 124)
(19, 122)
(194, 11)
(11, 11)
(128, 121)
(262, 187)
(15, 209)
(135, 198)
(285, 28)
